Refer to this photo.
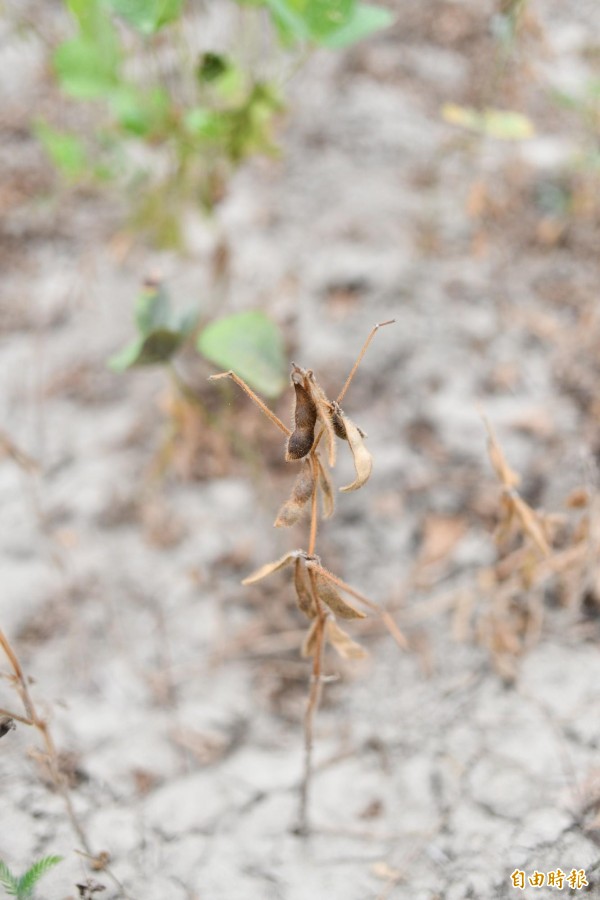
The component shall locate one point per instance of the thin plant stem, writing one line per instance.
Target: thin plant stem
(312, 706)
(255, 399)
(15, 716)
(360, 356)
(354, 369)
(42, 727)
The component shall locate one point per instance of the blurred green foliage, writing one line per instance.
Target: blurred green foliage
(210, 114)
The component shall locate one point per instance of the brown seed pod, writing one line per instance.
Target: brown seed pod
(306, 601)
(324, 412)
(363, 461)
(302, 438)
(6, 724)
(338, 425)
(292, 509)
(329, 595)
(309, 645)
(337, 417)
(342, 642)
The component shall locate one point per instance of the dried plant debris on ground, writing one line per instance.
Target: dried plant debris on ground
(174, 696)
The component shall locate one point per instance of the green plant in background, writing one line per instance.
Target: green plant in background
(197, 120)
(23, 888)
(207, 112)
(250, 340)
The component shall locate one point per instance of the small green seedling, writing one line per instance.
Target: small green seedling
(23, 887)
(249, 340)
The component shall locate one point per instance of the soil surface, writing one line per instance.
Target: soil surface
(176, 695)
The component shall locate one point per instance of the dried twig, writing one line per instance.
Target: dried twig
(35, 720)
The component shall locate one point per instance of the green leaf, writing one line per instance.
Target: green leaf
(251, 345)
(127, 357)
(65, 150)
(28, 881)
(205, 124)
(145, 114)
(93, 20)
(311, 19)
(497, 123)
(365, 21)
(325, 17)
(211, 66)
(148, 16)
(8, 880)
(152, 309)
(148, 350)
(332, 23)
(161, 332)
(250, 126)
(85, 69)
(291, 25)
(231, 85)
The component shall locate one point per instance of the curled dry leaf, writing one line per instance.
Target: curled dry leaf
(363, 461)
(269, 568)
(302, 438)
(292, 509)
(324, 412)
(343, 643)
(306, 601)
(328, 594)
(327, 495)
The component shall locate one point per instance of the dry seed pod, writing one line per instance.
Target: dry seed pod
(327, 495)
(324, 412)
(268, 568)
(363, 461)
(6, 724)
(343, 643)
(338, 423)
(309, 645)
(302, 438)
(292, 509)
(329, 595)
(306, 601)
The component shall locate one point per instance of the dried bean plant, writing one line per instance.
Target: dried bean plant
(31, 716)
(541, 556)
(321, 596)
